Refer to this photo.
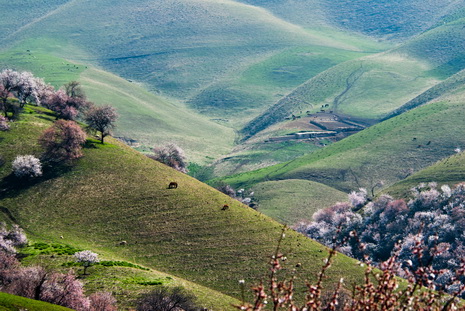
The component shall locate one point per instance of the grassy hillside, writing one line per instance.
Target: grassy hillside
(175, 46)
(382, 18)
(387, 151)
(199, 51)
(147, 118)
(243, 94)
(114, 193)
(389, 19)
(441, 46)
(125, 280)
(364, 88)
(16, 303)
(374, 86)
(291, 201)
(449, 171)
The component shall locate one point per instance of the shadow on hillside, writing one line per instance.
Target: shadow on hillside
(11, 186)
(48, 117)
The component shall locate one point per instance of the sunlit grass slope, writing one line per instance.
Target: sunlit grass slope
(175, 46)
(290, 201)
(124, 280)
(388, 151)
(154, 120)
(448, 170)
(16, 303)
(114, 193)
(259, 84)
(442, 46)
(145, 117)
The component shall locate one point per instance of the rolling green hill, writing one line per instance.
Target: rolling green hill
(114, 193)
(374, 86)
(382, 18)
(291, 201)
(213, 54)
(388, 151)
(449, 171)
(16, 303)
(364, 88)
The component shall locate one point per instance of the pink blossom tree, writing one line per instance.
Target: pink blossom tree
(171, 155)
(63, 141)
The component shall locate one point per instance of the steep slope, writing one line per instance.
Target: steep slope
(449, 171)
(366, 88)
(114, 193)
(153, 42)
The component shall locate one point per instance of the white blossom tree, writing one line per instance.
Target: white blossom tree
(27, 89)
(9, 80)
(86, 259)
(27, 166)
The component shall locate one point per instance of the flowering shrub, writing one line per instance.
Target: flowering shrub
(102, 301)
(4, 126)
(358, 198)
(27, 166)
(12, 238)
(438, 214)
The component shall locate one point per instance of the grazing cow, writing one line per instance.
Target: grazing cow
(173, 185)
(225, 207)
(123, 243)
